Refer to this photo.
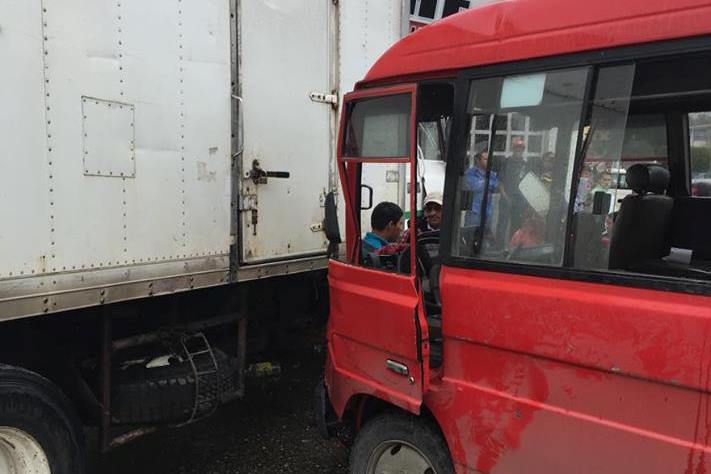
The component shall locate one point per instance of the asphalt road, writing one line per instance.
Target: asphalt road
(271, 430)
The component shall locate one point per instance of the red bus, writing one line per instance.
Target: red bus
(556, 320)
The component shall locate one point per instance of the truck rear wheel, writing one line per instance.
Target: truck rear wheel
(399, 443)
(39, 431)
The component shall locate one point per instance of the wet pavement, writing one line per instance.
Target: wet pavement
(271, 430)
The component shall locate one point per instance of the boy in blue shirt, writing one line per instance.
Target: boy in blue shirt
(386, 222)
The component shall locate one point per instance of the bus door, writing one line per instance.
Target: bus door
(377, 325)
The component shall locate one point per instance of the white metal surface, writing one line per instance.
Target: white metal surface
(285, 55)
(20, 453)
(24, 176)
(115, 132)
(108, 137)
(171, 62)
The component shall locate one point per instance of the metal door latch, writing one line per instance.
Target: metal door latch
(259, 176)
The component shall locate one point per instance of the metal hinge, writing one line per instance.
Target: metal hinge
(324, 98)
(248, 202)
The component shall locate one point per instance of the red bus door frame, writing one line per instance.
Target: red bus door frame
(377, 334)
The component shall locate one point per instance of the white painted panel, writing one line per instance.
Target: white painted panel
(108, 138)
(24, 202)
(207, 155)
(151, 65)
(82, 60)
(367, 29)
(170, 62)
(285, 55)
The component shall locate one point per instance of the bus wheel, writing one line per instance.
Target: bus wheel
(39, 432)
(399, 443)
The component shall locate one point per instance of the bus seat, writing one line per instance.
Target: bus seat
(641, 230)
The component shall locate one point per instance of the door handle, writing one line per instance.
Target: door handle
(259, 176)
(397, 367)
(278, 174)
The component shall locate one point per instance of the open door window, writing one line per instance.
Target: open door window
(377, 329)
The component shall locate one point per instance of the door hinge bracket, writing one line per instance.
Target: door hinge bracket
(325, 98)
(248, 202)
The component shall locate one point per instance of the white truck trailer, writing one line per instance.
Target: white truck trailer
(158, 161)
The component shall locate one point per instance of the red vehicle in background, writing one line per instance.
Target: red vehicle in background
(588, 347)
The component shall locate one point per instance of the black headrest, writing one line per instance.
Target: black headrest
(646, 178)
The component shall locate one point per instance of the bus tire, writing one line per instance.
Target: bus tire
(39, 429)
(395, 442)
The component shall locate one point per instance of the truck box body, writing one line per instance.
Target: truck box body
(130, 129)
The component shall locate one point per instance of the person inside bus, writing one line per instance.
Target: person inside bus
(512, 205)
(386, 224)
(432, 213)
(475, 180)
(542, 167)
(531, 232)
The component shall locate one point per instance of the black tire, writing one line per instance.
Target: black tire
(33, 404)
(166, 394)
(395, 427)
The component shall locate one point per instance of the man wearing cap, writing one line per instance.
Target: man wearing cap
(432, 213)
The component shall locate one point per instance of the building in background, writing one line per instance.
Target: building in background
(424, 12)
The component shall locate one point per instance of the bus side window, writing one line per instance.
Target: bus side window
(514, 190)
(637, 133)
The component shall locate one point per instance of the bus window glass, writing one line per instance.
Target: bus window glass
(700, 153)
(513, 193)
(429, 143)
(601, 178)
(379, 127)
(384, 216)
(632, 212)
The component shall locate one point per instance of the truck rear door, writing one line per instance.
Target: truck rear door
(376, 326)
(285, 84)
